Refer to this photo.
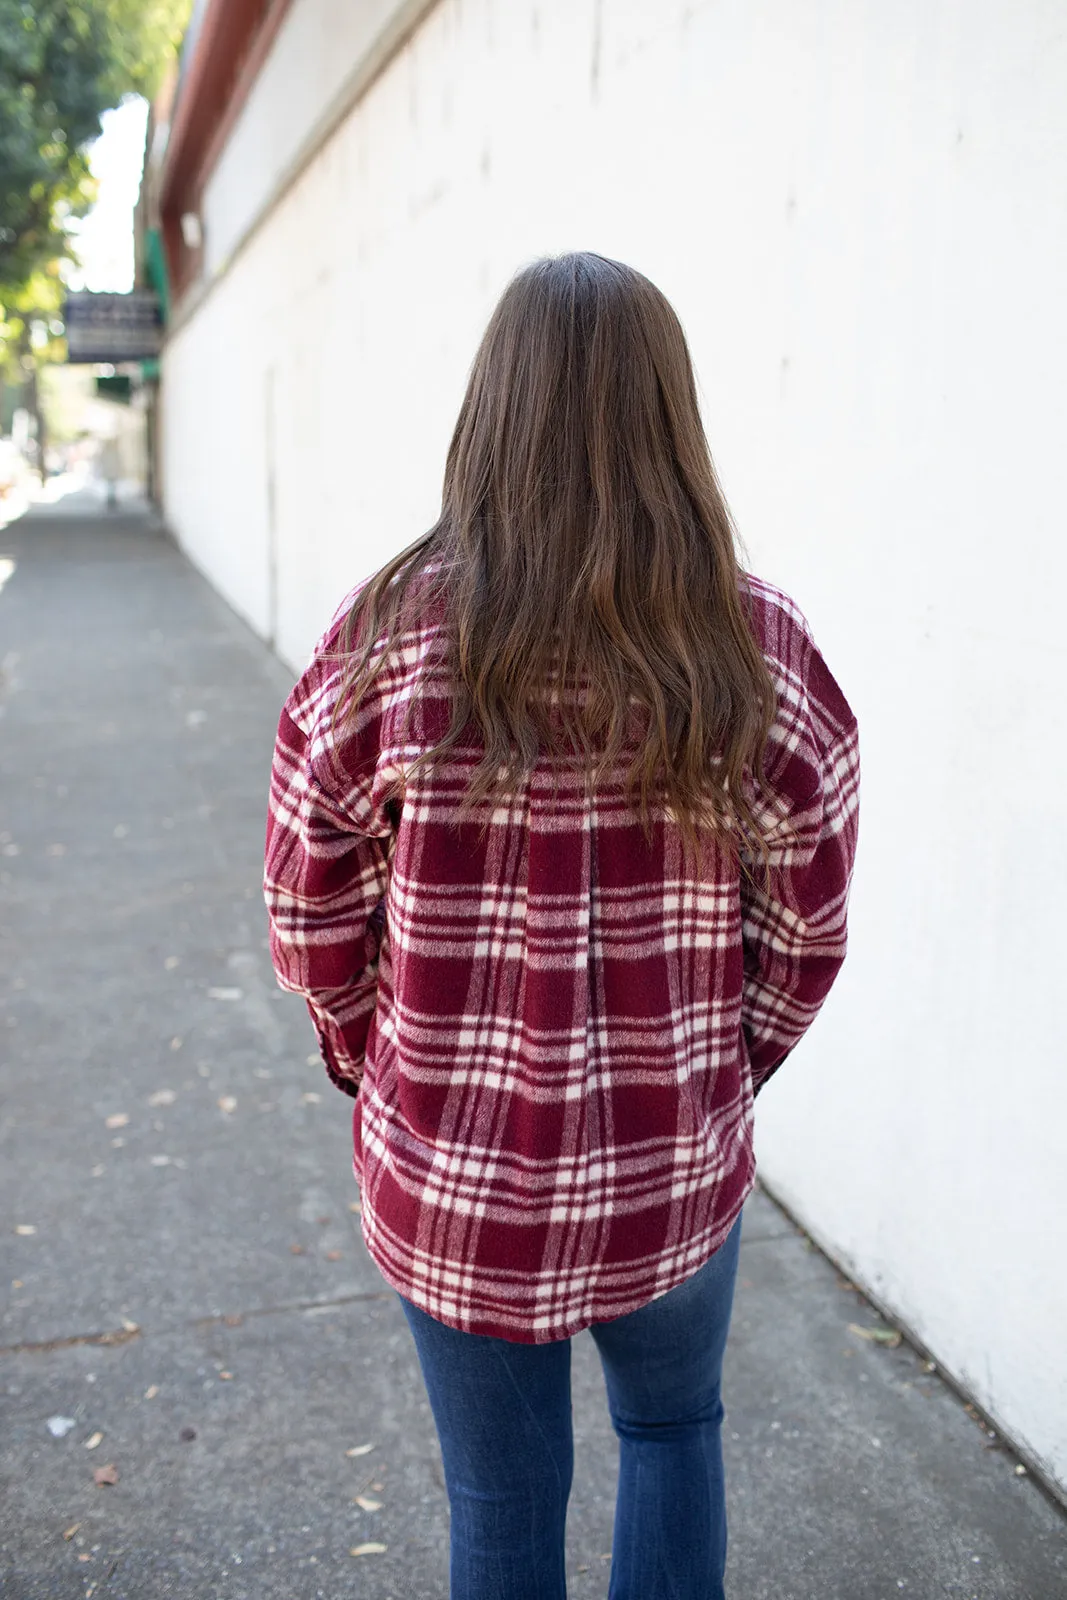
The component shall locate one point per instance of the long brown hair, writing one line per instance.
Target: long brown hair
(585, 559)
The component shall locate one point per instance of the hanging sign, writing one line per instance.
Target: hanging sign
(113, 327)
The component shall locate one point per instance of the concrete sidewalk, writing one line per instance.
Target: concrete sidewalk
(187, 1284)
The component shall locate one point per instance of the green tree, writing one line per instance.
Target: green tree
(63, 63)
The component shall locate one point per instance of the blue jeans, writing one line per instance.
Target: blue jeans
(503, 1414)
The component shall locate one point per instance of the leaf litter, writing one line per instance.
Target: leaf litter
(890, 1337)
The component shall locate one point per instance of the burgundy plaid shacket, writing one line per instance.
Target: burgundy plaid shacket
(555, 1031)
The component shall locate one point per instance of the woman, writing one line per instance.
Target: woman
(562, 822)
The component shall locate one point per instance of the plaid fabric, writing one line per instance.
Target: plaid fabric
(556, 1029)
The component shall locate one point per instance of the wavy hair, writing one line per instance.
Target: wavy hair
(593, 607)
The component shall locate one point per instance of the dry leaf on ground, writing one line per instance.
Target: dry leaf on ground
(890, 1337)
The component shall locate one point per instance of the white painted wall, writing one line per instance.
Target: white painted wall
(858, 212)
(318, 44)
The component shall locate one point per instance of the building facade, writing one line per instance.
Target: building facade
(856, 212)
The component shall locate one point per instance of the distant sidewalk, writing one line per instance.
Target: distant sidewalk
(78, 494)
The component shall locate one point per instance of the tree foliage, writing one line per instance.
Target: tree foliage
(29, 322)
(62, 64)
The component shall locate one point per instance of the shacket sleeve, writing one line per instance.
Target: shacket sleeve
(794, 918)
(325, 878)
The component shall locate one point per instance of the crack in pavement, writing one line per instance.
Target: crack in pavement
(45, 1346)
(231, 1319)
(234, 1319)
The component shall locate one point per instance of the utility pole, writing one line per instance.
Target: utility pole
(33, 402)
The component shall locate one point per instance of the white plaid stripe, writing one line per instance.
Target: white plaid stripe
(559, 1030)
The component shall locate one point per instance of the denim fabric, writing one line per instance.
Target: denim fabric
(503, 1414)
